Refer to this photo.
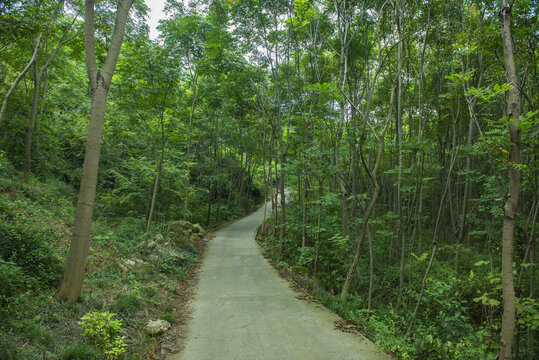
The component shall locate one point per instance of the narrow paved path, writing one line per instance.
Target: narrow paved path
(243, 310)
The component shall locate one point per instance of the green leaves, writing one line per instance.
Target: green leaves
(488, 93)
(486, 301)
(104, 333)
(458, 78)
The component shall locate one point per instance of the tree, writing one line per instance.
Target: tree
(38, 76)
(510, 207)
(100, 80)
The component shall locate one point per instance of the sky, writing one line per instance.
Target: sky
(156, 14)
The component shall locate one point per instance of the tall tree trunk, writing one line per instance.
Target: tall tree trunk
(371, 270)
(19, 77)
(509, 209)
(38, 75)
(154, 192)
(420, 131)
(282, 199)
(191, 116)
(100, 81)
(31, 122)
(159, 161)
(276, 198)
(266, 184)
(465, 200)
(218, 210)
(305, 209)
(208, 214)
(374, 195)
(283, 147)
(343, 27)
(401, 233)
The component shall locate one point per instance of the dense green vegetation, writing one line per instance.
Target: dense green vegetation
(134, 274)
(382, 133)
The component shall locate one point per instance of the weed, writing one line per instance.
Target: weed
(168, 317)
(127, 303)
(81, 351)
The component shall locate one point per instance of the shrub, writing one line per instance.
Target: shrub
(12, 279)
(32, 251)
(104, 333)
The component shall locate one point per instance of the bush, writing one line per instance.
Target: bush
(104, 333)
(32, 251)
(12, 279)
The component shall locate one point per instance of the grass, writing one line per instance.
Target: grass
(35, 326)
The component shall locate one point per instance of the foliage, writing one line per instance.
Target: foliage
(32, 251)
(233, 89)
(104, 333)
(13, 281)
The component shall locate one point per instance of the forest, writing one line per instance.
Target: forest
(394, 142)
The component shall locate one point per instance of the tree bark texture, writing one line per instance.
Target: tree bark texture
(509, 209)
(100, 80)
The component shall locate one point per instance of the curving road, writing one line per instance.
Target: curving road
(243, 310)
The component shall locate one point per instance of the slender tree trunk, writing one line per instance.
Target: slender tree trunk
(435, 244)
(374, 196)
(371, 270)
(284, 149)
(31, 122)
(191, 116)
(19, 77)
(154, 193)
(218, 210)
(304, 215)
(462, 228)
(276, 197)
(343, 28)
(513, 113)
(401, 233)
(305, 186)
(100, 81)
(283, 201)
(420, 222)
(531, 332)
(208, 214)
(266, 185)
(420, 130)
(38, 75)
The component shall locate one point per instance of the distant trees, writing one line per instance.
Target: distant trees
(388, 118)
(381, 130)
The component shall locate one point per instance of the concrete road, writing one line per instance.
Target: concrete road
(243, 310)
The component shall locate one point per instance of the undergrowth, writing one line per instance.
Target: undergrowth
(457, 316)
(35, 230)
